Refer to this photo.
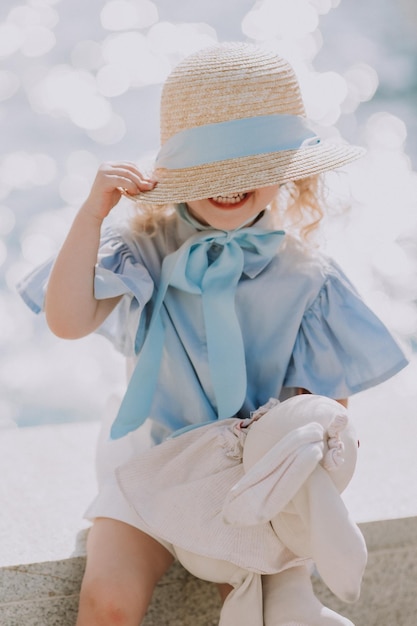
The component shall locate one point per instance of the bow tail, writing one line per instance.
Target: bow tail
(137, 400)
(226, 352)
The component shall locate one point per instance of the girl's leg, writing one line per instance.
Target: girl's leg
(224, 590)
(123, 568)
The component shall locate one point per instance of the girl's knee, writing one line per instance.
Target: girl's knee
(123, 568)
(107, 602)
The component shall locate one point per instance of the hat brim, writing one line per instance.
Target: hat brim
(247, 173)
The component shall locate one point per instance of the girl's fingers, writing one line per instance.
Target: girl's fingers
(127, 168)
(128, 177)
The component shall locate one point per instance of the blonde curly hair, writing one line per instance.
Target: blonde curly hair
(298, 208)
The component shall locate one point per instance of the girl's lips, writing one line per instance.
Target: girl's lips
(234, 204)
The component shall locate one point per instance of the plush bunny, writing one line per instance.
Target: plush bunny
(253, 503)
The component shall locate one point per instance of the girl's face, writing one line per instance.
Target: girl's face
(231, 211)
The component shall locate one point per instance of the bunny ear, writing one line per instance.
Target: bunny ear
(272, 482)
(325, 533)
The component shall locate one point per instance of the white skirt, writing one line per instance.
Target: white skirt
(110, 501)
(177, 491)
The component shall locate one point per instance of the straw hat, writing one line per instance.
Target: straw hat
(232, 120)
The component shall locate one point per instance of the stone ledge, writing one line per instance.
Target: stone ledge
(389, 586)
(46, 594)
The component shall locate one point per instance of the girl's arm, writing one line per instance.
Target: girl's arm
(70, 306)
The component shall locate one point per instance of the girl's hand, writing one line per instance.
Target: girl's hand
(111, 180)
(71, 308)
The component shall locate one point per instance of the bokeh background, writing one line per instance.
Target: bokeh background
(80, 83)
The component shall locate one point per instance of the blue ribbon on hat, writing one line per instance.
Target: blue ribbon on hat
(233, 139)
(190, 270)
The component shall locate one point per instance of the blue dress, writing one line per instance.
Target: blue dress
(303, 325)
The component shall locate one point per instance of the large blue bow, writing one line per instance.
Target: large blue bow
(189, 269)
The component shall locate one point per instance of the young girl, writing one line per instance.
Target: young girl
(215, 306)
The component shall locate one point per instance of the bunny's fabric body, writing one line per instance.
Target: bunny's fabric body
(254, 503)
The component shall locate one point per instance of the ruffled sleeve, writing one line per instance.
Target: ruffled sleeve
(32, 288)
(342, 347)
(118, 273)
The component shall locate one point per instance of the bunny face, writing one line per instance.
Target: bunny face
(339, 442)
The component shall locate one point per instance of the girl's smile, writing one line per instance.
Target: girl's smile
(232, 200)
(230, 211)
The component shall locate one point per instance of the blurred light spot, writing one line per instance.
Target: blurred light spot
(17, 169)
(55, 223)
(111, 133)
(82, 163)
(74, 189)
(179, 40)
(126, 15)
(87, 55)
(323, 93)
(131, 52)
(92, 113)
(11, 38)
(3, 252)
(72, 92)
(408, 380)
(272, 18)
(349, 104)
(9, 84)
(39, 14)
(37, 247)
(21, 169)
(400, 317)
(384, 130)
(362, 81)
(309, 46)
(34, 24)
(7, 220)
(112, 80)
(11, 321)
(38, 41)
(5, 187)
(124, 48)
(296, 51)
(390, 259)
(56, 90)
(323, 6)
(45, 169)
(7, 413)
